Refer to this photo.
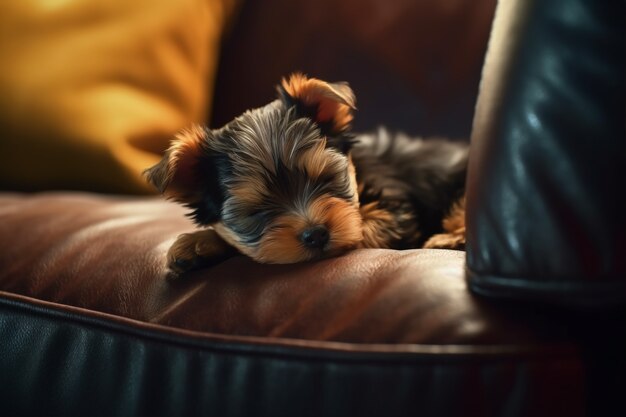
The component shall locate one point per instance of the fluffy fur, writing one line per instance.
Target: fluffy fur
(288, 182)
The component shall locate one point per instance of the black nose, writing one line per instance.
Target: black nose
(315, 237)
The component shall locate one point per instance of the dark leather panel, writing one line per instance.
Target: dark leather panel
(545, 205)
(66, 362)
(107, 254)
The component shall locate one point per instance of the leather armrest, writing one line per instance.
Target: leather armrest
(545, 205)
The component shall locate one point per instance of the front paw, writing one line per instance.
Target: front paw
(193, 251)
(454, 241)
(182, 256)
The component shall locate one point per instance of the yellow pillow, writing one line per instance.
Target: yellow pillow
(92, 91)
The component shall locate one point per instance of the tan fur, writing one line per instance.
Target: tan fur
(281, 243)
(342, 219)
(174, 175)
(250, 193)
(334, 102)
(378, 226)
(314, 160)
(454, 226)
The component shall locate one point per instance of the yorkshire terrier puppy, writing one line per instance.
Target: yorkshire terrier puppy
(288, 182)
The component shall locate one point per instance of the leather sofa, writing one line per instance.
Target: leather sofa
(529, 322)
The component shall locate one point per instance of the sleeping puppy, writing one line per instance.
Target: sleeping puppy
(289, 182)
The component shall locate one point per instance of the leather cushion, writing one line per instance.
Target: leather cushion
(91, 325)
(107, 254)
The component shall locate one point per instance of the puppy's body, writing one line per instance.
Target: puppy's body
(417, 180)
(288, 182)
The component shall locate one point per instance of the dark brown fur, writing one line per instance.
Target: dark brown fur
(264, 182)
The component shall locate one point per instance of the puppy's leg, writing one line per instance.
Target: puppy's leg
(198, 250)
(454, 227)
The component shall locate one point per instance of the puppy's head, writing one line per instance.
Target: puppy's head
(277, 182)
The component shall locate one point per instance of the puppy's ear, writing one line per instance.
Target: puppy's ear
(189, 174)
(330, 105)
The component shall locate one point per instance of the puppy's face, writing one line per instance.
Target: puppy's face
(277, 183)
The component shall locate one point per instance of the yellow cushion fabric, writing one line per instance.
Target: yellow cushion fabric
(92, 91)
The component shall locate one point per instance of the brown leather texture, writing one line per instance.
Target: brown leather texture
(107, 254)
(413, 65)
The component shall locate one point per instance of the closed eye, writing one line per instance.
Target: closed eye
(340, 186)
